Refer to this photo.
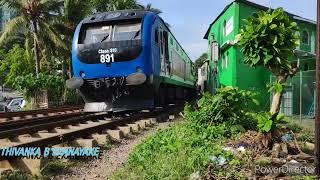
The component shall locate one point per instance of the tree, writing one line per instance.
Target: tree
(15, 63)
(199, 62)
(33, 17)
(269, 39)
(149, 7)
(72, 13)
(112, 5)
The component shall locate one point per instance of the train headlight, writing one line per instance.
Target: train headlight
(136, 79)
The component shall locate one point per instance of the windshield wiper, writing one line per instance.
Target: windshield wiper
(105, 38)
(136, 35)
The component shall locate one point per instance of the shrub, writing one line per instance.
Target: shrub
(32, 84)
(228, 105)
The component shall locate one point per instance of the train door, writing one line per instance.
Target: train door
(164, 51)
(161, 45)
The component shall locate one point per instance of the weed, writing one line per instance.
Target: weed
(296, 128)
(57, 166)
(14, 175)
(306, 136)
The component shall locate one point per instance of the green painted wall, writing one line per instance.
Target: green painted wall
(237, 73)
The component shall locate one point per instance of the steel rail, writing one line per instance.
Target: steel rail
(9, 115)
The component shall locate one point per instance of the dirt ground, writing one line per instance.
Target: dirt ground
(112, 160)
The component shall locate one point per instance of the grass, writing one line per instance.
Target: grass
(174, 153)
(57, 166)
(305, 123)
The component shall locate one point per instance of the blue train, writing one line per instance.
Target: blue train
(129, 60)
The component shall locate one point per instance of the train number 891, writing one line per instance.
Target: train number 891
(107, 58)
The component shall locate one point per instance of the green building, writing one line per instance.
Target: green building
(226, 67)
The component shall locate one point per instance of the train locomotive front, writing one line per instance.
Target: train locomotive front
(113, 61)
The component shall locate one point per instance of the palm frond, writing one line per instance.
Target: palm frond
(52, 34)
(12, 28)
(12, 5)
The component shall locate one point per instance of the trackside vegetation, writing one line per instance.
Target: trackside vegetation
(189, 146)
(220, 138)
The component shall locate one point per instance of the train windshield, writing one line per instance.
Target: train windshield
(97, 34)
(127, 32)
(120, 32)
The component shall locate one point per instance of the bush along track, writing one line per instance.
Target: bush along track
(219, 139)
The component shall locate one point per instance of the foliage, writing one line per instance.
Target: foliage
(14, 175)
(15, 63)
(265, 122)
(269, 40)
(276, 87)
(34, 17)
(112, 5)
(189, 145)
(199, 62)
(296, 128)
(306, 136)
(229, 104)
(56, 166)
(31, 84)
(149, 7)
(188, 150)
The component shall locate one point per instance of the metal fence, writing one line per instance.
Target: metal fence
(298, 101)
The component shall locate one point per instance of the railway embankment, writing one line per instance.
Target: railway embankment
(223, 138)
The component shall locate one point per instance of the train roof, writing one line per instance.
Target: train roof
(249, 3)
(116, 15)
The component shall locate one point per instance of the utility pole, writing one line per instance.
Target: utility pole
(317, 121)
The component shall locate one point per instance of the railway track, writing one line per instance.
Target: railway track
(75, 126)
(11, 116)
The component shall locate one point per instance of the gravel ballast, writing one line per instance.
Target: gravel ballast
(112, 159)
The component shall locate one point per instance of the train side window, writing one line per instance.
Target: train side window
(161, 41)
(156, 36)
(166, 45)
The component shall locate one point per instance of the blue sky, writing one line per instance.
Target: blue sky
(189, 20)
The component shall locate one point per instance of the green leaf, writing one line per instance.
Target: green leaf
(267, 126)
(275, 40)
(272, 26)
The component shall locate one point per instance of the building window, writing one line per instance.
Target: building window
(177, 47)
(222, 65)
(171, 41)
(224, 27)
(227, 60)
(305, 37)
